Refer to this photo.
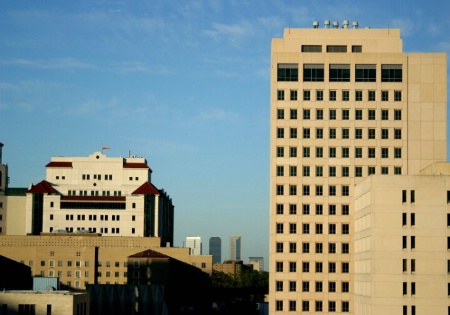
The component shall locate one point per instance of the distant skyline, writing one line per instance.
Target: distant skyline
(184, 84)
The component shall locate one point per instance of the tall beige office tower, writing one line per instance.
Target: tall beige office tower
(346, 102)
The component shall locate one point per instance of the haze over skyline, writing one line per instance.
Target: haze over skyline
(184, 84)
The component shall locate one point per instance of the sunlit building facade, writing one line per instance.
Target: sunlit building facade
(346, 103)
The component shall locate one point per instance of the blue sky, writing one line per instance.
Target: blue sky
(183, 83)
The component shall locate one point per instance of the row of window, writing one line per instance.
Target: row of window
(339, 72)
(114, 230)
(332, 170)
(279, 266)
(345, 114)
(279, 228)
(345, 133)
(319, 190)
(116, 193)
(345, 209)
(385, 95)
(330, 48)
(307, 286)
(93, 217)
(319, 248)
(318, 306)
(97, 176)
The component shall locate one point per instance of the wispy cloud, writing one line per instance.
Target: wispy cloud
(59, 63)
(219, 114)
(233, 33)
(137, 66)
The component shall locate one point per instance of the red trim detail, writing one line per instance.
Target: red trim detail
(135, 165)
(93, 198)
(43, 187)
(59, 164)
(146, 189)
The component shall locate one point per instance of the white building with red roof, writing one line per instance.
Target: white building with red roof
(113, 196)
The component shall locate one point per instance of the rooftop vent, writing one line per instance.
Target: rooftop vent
(327, 23)
(335, 24)
(316, 24)
(345, 24)
(355, 24)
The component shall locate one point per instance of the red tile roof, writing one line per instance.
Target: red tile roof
(43, 187)
(146, 189)
(93, 198)
(59, 164)
(150, 254)
(135, 165)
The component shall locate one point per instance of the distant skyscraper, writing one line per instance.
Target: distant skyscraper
(195, 244)
(215, 249)
(235, 247)
(257, 262)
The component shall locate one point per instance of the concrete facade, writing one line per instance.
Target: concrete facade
(346, 103)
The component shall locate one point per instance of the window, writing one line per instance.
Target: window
(397, 114)
(345, 228)
(371, 114)
(305, 306)
(332, 267)
(385, 96)
(292, 190)
(279, 266)
(305, 248)
(319, 95)
(319, 190)
(331, 306)
(293, 151)
(279, 247)
(280, 208)
(413, 242)
(413, 219)
(292, 170)
(404, 242)
(279, 228)
(398, 153)
(332, 114)
(319, 152)
(358, 152)
(345, 190)
(319, 114)
(332, 96)
(332, 190)
(279, 305)
(332, 209)
(305, 228)
(319, 267)
(292, 306)
(397, 133)
(336, 48)
(345, 114)
(306, 171)
(319, 209)
(384, 133)
(306, 152)
(413, 265)
(358, 114)
(313, 72)
(339, 73)
(293, 133)
(405, 265)
(345, 248)
(384, 153)
(292, 267)
(371, 170)
(319, 171)
(345, 96)
(280, 133)
(371, 153)
(305, 209)
(384, 114)
(405, 288)
(306, 114)
(365, 73)
(391, 73)
(280, 170)
(319, 228)
(293, 95)
(319, 133)
(332, 250)
(345, 267)
(280, 152)
(305, 266)
(306, 95)
(345, 306)
(345, 133)
(319, 248)
(356, 48)
(331, 286)
(413, 196)
(332, 171)
(305, 286)
(397, 96)
(279, 285)
(332, 228)
(311, 48)
(371, 96)
(293, 114)
(332, 133)
(358, 96)
(280, 190)
(319, 306)
(345, 152)
(287, 72)
(306, 133)
(397, 170)
(345, 287)
(280, 95)
(319, 286)
(332, 152)
(292, 247)
(280, 113)
(371, 132)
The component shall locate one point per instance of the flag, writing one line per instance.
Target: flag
(105, 148)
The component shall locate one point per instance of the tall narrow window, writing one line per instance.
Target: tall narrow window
(413, 196)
